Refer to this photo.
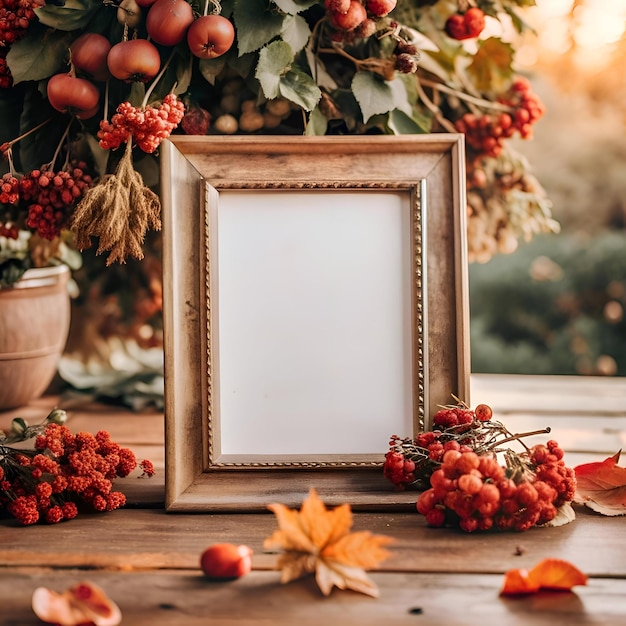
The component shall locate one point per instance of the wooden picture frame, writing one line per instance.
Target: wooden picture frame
(362, 239)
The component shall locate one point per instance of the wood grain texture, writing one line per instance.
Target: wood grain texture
(186, 598)
(147, 560)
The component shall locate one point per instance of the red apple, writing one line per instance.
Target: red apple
(134, 60)
(69, 94)
(89, 55)
(168, 20)
(210, 36)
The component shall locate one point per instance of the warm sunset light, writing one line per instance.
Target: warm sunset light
(593, 25)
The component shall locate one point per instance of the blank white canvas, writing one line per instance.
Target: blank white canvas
(315, 344)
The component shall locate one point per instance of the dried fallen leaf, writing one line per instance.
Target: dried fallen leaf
(319, 540)
(83, 603)
(602, 486)
(549, 574)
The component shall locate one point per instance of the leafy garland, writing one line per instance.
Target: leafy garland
(292, 69)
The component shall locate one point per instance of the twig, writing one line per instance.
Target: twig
(461, 95)
(434, 109)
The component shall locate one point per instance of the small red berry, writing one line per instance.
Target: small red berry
(226, 561)
(351, 18)
(483, 412)
(380, 8)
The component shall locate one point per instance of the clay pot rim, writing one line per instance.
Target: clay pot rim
(42, 277)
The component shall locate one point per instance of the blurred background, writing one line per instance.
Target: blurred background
(553, 305)
(556, 304)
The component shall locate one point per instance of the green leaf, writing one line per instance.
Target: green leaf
(491, 67)
(137, 93)
(184, 69)
(211, 68)
(373, 94)
(36, 57)
(256, 24)
(294, 6)
(300, 88)
(317, 124)
(244, 64)
(399, 123)
(274, 62)
(296, 32)
(400, 96)
(74, 14)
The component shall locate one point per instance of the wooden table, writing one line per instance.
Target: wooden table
(147, 559)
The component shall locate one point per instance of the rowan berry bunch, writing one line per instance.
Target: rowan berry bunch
(15, 17)
(52, 197)
(466, 25)
(466, 486)
(411, 461)
(485, 134)
(147, 126)
(6, 78)
(63, 473)
(472, 491)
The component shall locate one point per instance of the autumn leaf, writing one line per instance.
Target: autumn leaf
(318, 540)
(83, 603)
(602, 486)
(549, 574)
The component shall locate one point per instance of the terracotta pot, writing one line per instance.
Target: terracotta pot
(34, 323)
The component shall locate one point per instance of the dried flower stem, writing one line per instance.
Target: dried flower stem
(118, 210)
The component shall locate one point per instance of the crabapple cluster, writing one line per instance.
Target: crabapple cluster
(62, 471)
(485, 133)
(15, 17)
(51, 197)
(474, 492)
(355, 17)
(146, 126)
(465, 25)
(411, 461)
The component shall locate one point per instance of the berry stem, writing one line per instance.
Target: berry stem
(28, 132)
(519, 436)
(157, 79)
(498, 106)
(433, 108)
(60, 144)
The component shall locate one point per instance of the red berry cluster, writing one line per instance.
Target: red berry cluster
(354, 16)
(485, 134)
(410, 461)
(9, 230)
(9, 189)
(63, 471)
(476, 493)
(15, 17)
(146, 126)
(466, 25)
(6, 78)
(51, 196)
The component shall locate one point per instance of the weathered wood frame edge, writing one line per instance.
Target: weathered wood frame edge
(187, 163)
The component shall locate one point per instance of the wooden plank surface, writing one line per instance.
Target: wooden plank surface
(139, 539)
(170, 598)
(148, 560)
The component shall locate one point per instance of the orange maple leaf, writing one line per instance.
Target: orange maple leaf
(319, 540)
(602, 486)
(549, 574)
